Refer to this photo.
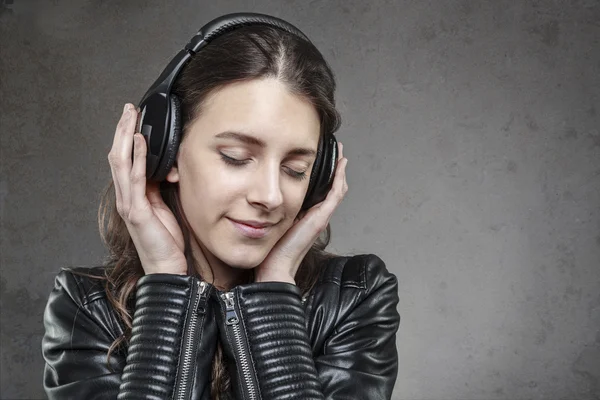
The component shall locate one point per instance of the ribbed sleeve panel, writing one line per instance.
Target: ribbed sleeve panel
(161, 308)
(275, 324)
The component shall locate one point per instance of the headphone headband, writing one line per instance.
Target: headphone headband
(206, 34)
(233, 21)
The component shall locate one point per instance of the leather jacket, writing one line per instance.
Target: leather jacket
(338, 342)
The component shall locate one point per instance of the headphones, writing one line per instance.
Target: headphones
(159, 119)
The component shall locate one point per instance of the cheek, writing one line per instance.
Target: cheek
(300, 192)
(201, 194)
(224, 187)
(209, 182)
(293, 202)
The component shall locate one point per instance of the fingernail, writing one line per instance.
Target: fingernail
(126, 108)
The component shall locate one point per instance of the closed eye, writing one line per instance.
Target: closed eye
(239, 163)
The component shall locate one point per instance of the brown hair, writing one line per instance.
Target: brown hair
(251, 52)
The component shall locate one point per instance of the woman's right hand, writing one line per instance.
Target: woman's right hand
(153, 227)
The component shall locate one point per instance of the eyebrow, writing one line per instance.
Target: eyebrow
(254, 141)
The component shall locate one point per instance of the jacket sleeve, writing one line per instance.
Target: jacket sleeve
(79, 332)
(359, 359)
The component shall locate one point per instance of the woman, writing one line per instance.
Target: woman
(218, 285)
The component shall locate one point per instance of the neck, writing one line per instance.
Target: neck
(215, 271)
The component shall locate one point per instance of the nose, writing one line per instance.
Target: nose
(264, 189)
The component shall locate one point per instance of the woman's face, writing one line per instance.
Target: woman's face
(268, 184)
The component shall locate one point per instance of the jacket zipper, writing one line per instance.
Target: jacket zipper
(232, 320)
(190, 340)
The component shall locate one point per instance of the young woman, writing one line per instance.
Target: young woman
(218, 285)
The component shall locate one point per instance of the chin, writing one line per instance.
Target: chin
(245, 259)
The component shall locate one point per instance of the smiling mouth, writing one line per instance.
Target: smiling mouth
(254, 224)
(250, 231)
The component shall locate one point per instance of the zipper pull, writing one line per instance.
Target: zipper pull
(231, 317)
(202, 289)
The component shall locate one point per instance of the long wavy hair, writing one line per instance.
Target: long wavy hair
(251, 52)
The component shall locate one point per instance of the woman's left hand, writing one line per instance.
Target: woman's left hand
(284, 259)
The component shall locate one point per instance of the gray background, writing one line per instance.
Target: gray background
(472, 133)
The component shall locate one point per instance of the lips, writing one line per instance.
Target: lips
(250, 231)
(254, 224)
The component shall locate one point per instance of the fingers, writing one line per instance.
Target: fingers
(119, 159)
(345, 185)
(138, 174)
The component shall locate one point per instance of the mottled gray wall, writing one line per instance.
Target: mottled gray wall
(473, 139)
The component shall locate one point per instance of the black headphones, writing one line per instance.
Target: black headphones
(159, 119)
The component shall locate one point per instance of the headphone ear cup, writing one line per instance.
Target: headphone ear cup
(323, 172)
(173, 139)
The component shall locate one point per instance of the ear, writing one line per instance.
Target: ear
(173, 175)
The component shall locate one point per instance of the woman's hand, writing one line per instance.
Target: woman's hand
(153, 227)
(283, 260)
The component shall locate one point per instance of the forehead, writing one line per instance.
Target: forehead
(262, 108)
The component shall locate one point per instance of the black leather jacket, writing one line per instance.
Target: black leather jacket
(339, 342)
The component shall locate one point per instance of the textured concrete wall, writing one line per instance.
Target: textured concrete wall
(472, 130)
